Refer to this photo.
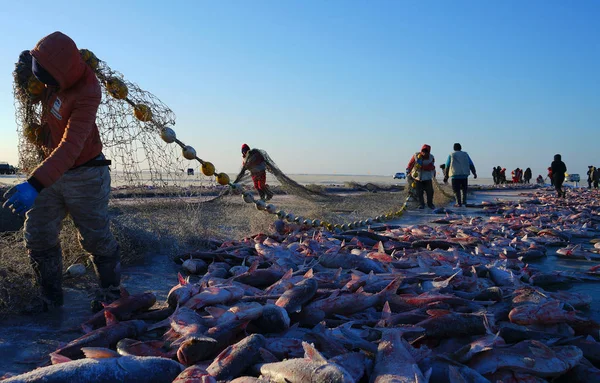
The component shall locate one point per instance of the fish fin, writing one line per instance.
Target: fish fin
(386, 313)
(438, 312)
(288, 274)
(310, 352)
(380, 247)
(338, 273)
(253, 267)
(181, 279)
(124, 293)
(110, 318)
(58, 358)
(309, 274)
(391, 288)
(267, 356)
(214, 311)
(99, 353)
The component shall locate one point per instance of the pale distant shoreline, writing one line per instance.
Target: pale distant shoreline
(304, 179)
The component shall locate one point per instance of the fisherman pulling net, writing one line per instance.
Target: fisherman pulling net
(129, 121)
(258, 162)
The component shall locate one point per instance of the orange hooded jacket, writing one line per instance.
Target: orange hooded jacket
(69, 113)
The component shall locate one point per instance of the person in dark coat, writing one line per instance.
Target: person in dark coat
(527, 176)
(590, 174)
(558, 174)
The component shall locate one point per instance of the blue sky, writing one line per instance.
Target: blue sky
(345, 87)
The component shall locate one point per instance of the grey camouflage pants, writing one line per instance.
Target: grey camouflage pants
(83, 193)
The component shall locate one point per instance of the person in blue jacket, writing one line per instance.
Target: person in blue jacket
(458, 168)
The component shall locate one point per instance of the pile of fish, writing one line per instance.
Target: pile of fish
(459, 300)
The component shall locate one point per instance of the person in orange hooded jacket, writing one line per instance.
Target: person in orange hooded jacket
(72, 179)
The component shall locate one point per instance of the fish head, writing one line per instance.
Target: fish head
(332, 373)
(195, 349)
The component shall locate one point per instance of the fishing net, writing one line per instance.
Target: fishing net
(129, 120)
(156, 205)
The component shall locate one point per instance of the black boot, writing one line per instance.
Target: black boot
(268, 193)
(108, 270)
(47, 267)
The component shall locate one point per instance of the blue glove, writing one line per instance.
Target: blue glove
(20, 198)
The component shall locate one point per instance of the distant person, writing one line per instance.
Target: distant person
(513, 176)
(590, 174)
(540, 180)
(421, 167)
(550, 176)
(527, 175)
(458, 167)
(502, 175)
(74, 177)
(495, 175)
(254, 162)
(443, 167)
(558, 174)
(596, 177)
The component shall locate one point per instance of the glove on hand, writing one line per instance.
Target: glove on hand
(474, 175)
(445, 180)
(20, 198)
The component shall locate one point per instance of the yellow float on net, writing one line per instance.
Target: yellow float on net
(222, 179)
(34, 86)
(33, 134)
(117, 88)
(208, 169)
(90, 58)
(142, 112)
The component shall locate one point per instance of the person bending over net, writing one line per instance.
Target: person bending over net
(254, 162)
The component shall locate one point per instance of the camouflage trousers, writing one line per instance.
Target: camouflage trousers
(82, 193)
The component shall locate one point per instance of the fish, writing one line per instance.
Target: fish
(126, 369)
(452, 324)
(345, 304)
(293, 299)
(107, 336)
(132, 347)
(122, 308)
(528, 356)
(394, 362)
(232, 361)
(194, 266)
(215, 295)
(181, 293)
(351, 261)
(312, 368)
(549, 312)
(194, 374)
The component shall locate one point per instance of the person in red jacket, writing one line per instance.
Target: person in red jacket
(72, 179)
(254, 161)
(421, 168)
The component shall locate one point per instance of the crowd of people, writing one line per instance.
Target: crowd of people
(593, 174)
(517, 176)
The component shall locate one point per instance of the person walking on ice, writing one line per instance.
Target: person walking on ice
(458, 167)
